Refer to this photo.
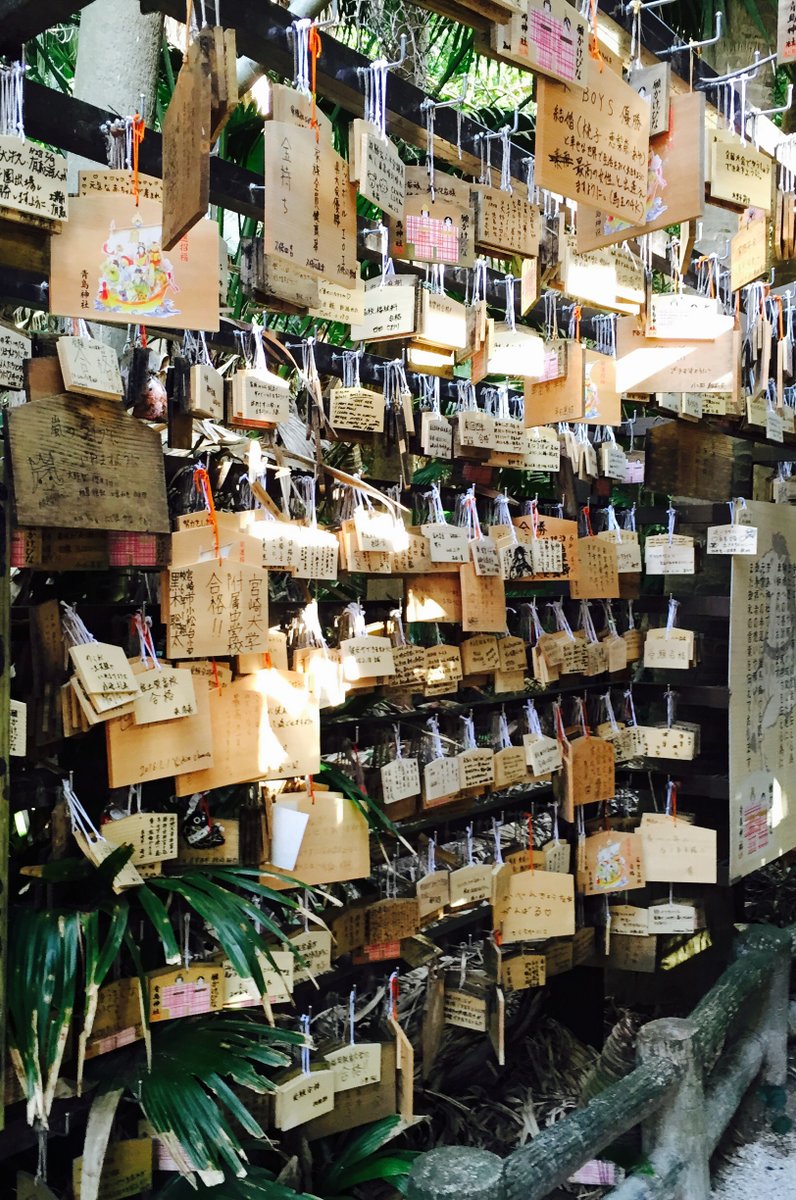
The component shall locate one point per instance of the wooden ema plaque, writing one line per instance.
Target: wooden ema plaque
(108, 264)
(310, 216)
(588, 773)
(675, 189)
(592, 143)
(84, 463)
(186, 143)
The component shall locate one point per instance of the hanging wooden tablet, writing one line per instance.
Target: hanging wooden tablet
(675, 186)
(615, 178)
(66, 477)
(443, 670)
(438, 230)
(186, 143)
(126, 1170)
(109, 264)
(535, 905)
(377, 168)
(302, 1097)
(483, 600)
(597, 575)
(506, 224)
(389, 310)
(260, 399)
(550, 37)
(588, 773)
(15, 349)
(264, 726)
(34, 181)
(466, 1007)
(677, 851)
(215, 609)
(153, 836)
(649, 365)
(433, 894)
(223, 63)
(740, 175)
(611, 861)
(748, 251)
(140, 753)
(355, 1065)
(360, 1105)
(653, 84)
(89, 367)
(334, 846)
(440, 781)
(310, 208)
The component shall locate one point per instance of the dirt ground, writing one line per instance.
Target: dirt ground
(763, 1169)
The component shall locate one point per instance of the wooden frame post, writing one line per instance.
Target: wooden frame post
(678, 1128)
(456, 1173)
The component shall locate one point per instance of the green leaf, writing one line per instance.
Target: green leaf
(154, 908)
(362, 1145)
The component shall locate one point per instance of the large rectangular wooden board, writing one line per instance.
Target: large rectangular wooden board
(592, 143)
(684, 460)
(82, 463)
(650, 365)
(108, 264)
(675, 180)
(762, 679)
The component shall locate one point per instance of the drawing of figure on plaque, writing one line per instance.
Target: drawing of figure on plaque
(776, 692)
(656, 183)
(612, 869)
(134, 276)
(432, 239)
(521, 565)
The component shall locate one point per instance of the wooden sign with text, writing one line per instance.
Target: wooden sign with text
(84, 463)
(592, 143)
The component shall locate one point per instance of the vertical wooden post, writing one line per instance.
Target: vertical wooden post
(456, 1173)
(678, 1128)
(5, 744)
(772, 1023)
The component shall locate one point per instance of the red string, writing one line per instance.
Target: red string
(215, 673)
(314, 47)
(201, 481)
(530, 842)
(139, 129)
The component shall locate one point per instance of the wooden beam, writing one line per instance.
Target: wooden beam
(73, 125)
(262, 35)
(21, 20)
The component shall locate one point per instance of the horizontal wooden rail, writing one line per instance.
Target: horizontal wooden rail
(531, 1172)
(682, 1105)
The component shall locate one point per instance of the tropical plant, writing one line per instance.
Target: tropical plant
(185, 1095)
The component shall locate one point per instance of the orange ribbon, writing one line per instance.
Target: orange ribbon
(577, 315)
(201, 481)
(314, 47)
(139, 129)
(587, 520)
(778, 301)
(594, 46)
